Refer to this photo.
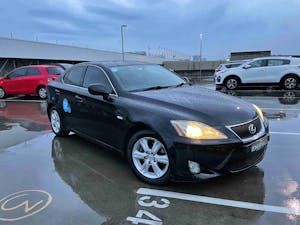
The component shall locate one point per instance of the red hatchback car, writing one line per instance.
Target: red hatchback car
(29, 80)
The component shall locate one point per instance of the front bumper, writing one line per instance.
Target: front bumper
(217, 159)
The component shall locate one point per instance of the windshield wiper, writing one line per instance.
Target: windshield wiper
(152, 88)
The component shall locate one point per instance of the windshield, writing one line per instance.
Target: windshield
(143, 77)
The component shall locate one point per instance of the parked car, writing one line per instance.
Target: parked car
(166, 127)
(29, 80)
(282, 71)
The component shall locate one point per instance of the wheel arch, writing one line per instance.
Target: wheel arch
(289, 74)
(232, 76)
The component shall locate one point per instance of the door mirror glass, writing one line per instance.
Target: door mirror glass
(187, 80)
(98, 89)
(248, 66)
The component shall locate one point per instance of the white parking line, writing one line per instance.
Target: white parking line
(285, 133)
(218, 201)
(281, 109)
(20, 100)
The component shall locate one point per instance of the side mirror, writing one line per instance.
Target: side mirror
(187, 79)
(6, 78)
(247, 66)
(98, 89)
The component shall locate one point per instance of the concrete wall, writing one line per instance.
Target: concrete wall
(20, 49)
(248, 55)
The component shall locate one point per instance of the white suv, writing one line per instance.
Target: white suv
(283, 71)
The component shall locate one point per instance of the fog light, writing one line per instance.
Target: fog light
(194, 167)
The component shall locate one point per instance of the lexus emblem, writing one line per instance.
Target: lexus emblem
(252, 128)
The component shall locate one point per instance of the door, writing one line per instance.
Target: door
(256, 73)
(101, 119)
(14, 82)
(31, 80)
(276, 68)
(69, 100)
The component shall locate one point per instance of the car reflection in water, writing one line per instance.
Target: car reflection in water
(104, 182)
(274, 102)
(30, 115)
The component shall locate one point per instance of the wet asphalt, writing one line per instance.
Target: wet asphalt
(71, 181)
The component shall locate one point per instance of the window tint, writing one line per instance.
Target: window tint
(258, 63)
(18, 73)
(95, 75)
(232, 66)
(54, 70)
(278, 62)
(33, 71)
(75, 76)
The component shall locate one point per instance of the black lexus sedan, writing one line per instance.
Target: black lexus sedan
(166, 127)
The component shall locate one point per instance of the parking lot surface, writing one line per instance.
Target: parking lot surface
(50, 180)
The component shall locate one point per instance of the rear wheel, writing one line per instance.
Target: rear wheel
(42, 92)
(2, 93)
(290, 82)
(148, 158)
(56, 123)
(231, 83)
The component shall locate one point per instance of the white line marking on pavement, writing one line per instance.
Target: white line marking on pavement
(217, 201)
(285, 133)
(20, 100)
(281, 109)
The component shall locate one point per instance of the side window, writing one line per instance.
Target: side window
(278, 62)
(18, 73)
(33, 71)
(95, 75)
(258, 63)
(75, 76)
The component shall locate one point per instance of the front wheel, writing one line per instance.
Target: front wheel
(148, 158)
(56, 123)
(290, 82)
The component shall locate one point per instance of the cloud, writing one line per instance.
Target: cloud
(227, 25)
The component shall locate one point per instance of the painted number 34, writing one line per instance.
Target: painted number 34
(145, 201)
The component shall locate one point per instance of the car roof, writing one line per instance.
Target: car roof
(277, 57)
(115, 63)
(40, 66)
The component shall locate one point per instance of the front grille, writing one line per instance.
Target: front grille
(243, 164)
(247, 130)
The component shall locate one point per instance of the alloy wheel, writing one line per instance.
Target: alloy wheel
(150, 158)
(42, 92)
(55, 121)
(290, 83)
(2, 93)
(231, 84)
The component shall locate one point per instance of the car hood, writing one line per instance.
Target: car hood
(217, 108)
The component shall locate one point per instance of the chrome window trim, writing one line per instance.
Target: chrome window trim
(63, 81)
(249, 139)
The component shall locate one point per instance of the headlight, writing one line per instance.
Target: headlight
(259, 112)
(196, 130)
(261, 115)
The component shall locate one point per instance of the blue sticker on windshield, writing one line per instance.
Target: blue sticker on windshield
(66, 106)
(114, 69)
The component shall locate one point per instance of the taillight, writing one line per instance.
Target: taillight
(218, 70)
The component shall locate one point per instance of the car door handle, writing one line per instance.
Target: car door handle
(78, 98)
(57, 91)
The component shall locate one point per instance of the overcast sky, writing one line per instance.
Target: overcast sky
(227, 25)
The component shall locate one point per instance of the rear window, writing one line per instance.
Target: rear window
(54, 70)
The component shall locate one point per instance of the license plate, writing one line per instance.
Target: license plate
(258, 145)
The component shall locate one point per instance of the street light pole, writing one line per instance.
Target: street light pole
(200, 56)
(122, 37)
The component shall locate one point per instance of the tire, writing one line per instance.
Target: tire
(149, 158)
(290, 82)
(42, 92)
(56, 123)
(232, 83)
(2, 93)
